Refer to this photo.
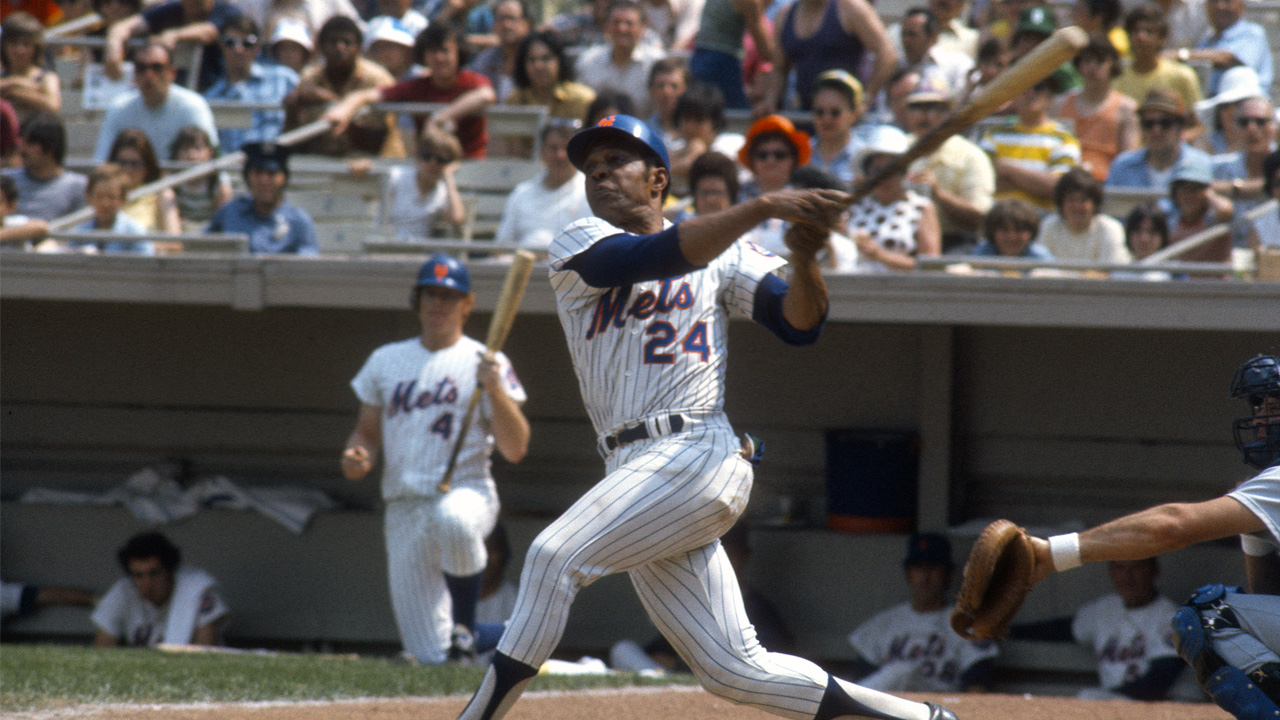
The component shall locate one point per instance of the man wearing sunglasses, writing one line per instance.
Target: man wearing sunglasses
(1162, 116)
(1239, 175)
(249, 81)
(158, 107)
(169, 23)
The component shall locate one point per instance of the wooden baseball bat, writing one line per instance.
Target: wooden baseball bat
(499, 327)
(1023, 75)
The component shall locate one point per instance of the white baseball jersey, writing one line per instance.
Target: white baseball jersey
(1261, 494)
(423, 396)
(656, 346)
(916, 651)
(195, 602)
(1125, 640)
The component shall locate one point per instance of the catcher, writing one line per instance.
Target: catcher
(1229, 637)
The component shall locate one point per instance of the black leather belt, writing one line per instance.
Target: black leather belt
(640, 432)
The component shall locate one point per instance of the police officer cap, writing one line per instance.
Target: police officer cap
(266, 156)
(624, 128)
(441, 270)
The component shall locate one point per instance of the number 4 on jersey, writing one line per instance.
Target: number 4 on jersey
(443, 426)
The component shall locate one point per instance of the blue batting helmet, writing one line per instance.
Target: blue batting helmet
(441, 270)
(629, 130)
(1258, 436)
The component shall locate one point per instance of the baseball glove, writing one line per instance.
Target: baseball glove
(997, 578)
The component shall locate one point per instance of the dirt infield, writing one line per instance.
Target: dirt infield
(629, 704)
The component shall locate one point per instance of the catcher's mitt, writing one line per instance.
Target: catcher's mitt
(997, 578)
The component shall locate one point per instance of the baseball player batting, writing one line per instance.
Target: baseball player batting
(413, 395)
(645, 307)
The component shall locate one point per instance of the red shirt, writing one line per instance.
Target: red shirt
(473, 130)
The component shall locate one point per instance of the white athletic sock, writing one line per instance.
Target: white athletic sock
(884, 703)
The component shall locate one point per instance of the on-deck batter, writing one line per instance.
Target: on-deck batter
(645, 308)
(413, 396)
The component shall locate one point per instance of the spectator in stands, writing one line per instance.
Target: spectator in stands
(1032, 151)
(845, 33)
(1127, 630)
(158, 106)
(838, 138)
(1148, 68)
(992, 60)
(669, 78)
(623, 63)
(1105, 121)
(416, 198)
(291, 45)
(584, 27)
(1002, 19)
(199, 199)
(1146, 231)
(1161, 118)
(108, 186)
(310, 15)
(24, 81)
(1035, 25)
(390, 44)
(157, 212)
(1009, 230)
(1239, 175)
(1188, 21)
(247, 80)
(1265, 229)
(909, 647)
(892, 225)
(46, 11)
(919, 33)
(1233, 41)
(543, 205)
(403, 12)
(16, 230)
(719, 49)
(958, 175)
(1196, 207)
(195, 22)
(606, 103)
(1101, 19)
(272, 223)
(511, 24)
(342, 74)
(699, 115)
(772, 150)
(890, 108)
(46, 190)
(713, 183)
(466, 92)
(953, 34)
(162, 599)
(544, 76)
(112, 12)
(8, 135)
(1078, 231)
(23, 599)
(1217, 113)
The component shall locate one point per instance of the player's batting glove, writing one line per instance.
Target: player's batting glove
(752, 448)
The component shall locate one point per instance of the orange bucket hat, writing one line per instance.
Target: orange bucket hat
(778, 123)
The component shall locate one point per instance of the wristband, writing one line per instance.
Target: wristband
(1255, 546)
(1065, 550)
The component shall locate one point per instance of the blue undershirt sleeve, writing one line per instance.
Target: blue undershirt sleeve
(767, 310)
(624, 259)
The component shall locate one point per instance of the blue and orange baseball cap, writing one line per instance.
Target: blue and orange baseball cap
(444, 271)
(623, 128)
(928, 548)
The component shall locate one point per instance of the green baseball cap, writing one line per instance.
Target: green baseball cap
(1037, 20)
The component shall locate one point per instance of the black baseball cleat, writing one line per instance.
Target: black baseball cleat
(462, 649)
(937, 712)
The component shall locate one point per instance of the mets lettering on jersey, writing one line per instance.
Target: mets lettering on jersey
(916, 651)
(657, 346)
(423, 395)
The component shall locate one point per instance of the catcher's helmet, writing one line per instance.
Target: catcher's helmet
(441, 270)
(1258, 436)
(629, 130)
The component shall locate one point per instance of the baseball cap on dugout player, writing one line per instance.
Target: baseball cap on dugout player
(444, 271)
(928, 548)
(629, 130)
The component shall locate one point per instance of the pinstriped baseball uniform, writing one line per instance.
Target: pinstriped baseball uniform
(642, 353)
(423, 396)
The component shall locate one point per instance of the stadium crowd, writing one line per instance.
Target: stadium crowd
(1168, 108)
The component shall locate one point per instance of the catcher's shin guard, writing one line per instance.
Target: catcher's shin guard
(1234, 692)
(502, 685)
